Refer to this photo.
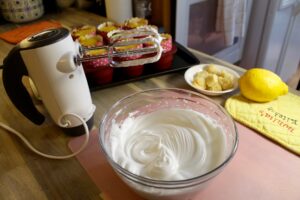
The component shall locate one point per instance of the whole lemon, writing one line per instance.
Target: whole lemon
(261, 85)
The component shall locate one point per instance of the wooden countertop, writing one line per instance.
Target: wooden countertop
(25, 175)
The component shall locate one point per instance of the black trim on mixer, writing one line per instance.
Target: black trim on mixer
(44, 38)
(13, 71)
(78, 130)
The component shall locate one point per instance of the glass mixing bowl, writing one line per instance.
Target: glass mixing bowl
(148, 101)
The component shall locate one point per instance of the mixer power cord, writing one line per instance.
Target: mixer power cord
(66, 124)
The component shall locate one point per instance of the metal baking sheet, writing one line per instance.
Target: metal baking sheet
(183, 59)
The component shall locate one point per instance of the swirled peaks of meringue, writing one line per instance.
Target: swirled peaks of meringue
(168, 144)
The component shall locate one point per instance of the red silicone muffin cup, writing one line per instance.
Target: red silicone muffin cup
(104, 28)
(131, 71)
(166, 60)
(166, 42)
(103, 75)
(92, 64)
(167, 56)
(93, 41)
(98, 71)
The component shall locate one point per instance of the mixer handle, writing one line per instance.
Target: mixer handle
(13, 71)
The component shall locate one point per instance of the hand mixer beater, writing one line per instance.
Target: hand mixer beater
(120, 38)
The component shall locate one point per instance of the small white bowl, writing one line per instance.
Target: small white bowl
(189, 76)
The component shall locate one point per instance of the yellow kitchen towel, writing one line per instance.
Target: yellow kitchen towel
(278, 120)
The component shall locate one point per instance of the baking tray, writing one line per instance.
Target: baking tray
(183, 59)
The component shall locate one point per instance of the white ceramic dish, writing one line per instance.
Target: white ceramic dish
(189, 76)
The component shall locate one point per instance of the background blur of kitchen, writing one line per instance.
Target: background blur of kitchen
(249, 33)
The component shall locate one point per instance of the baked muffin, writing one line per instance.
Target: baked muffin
(105, 28)
(95, 63)
(166, 42)
(167, 56)
(98, 71)
(131, 71)
(84, 30)
(90, 40)
(134, 23)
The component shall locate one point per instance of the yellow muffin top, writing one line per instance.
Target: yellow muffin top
(96, 52)
(84, 30)
(107, 27)
(135, 22)
(128, 47)
(165, 36)
(90, 41)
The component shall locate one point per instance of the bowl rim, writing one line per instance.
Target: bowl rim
(174, 184)
(199, 67)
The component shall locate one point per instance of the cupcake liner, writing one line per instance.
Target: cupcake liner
(100, 76)
(98, 63)
(166, 60)
(166, 43)
(133, 71)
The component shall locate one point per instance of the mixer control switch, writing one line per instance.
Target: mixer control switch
(67, 63)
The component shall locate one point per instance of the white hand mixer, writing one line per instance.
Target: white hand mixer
(53, 60)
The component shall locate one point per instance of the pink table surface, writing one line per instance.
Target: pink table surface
(260, 170)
